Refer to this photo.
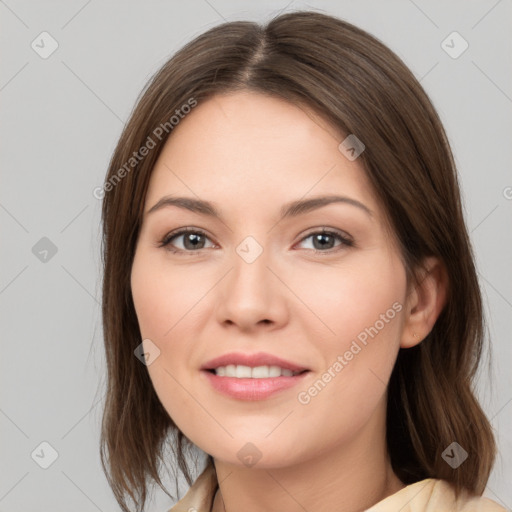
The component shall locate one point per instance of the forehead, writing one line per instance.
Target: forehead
(253, 149)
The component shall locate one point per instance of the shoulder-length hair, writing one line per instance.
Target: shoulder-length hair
(361, 87)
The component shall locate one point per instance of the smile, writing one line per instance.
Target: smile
(259, 372)
(263, 382)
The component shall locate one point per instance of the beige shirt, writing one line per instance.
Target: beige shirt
(429, 495)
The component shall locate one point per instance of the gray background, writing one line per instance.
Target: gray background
(61, 117)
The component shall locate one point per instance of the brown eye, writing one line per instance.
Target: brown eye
(324, 241)
(193, 240)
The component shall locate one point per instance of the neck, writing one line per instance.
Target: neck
(349, 478)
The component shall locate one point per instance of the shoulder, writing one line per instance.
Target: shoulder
(199, 497)
(434, 495)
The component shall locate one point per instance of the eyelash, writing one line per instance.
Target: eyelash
(166, 241)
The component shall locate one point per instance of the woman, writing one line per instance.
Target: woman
(289, 283)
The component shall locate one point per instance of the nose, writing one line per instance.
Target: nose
(252, 296)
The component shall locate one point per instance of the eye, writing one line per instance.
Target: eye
(322, 241)
(193, 240)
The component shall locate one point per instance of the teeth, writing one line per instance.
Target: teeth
(259, 372)
(241, 372)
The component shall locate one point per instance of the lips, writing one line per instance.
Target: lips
(241, 388)
(252, 389)
(252, 360)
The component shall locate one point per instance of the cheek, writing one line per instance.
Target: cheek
(163, 305)
(162, 296)
(348, 299)
(170, 312)
(361, 311)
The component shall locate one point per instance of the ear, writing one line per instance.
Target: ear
(424, 302)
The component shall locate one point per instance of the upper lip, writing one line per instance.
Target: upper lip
(252, 360)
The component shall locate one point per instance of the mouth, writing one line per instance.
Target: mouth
(254, 376)
(252, 383)
(239, 371)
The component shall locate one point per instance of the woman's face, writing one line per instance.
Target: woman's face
(253, 281)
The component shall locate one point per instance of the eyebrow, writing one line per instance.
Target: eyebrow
(292, 209)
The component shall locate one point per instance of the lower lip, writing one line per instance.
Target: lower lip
(252, 389)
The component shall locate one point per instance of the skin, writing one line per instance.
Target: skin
(249, 154)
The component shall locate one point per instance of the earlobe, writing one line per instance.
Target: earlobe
(424, 302)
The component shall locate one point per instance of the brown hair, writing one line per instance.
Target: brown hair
(361, 87)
